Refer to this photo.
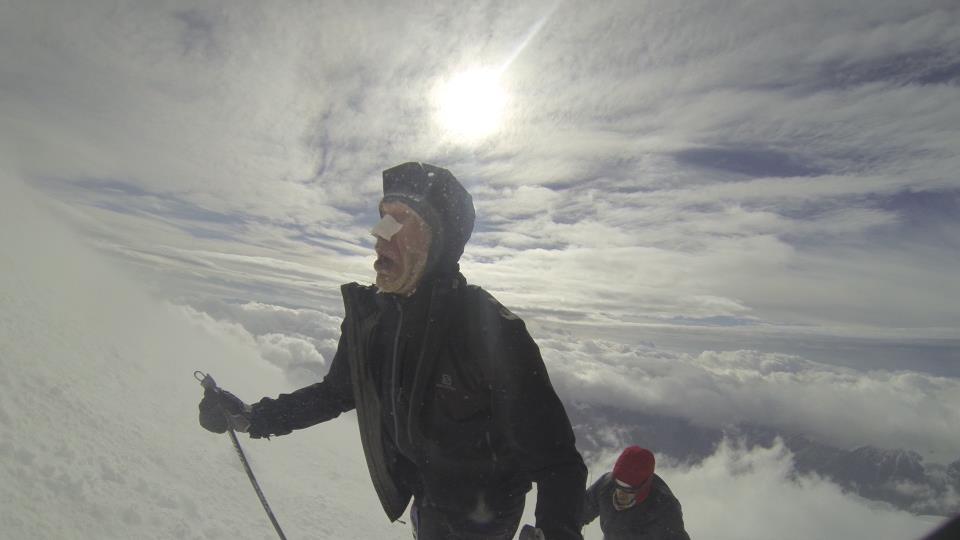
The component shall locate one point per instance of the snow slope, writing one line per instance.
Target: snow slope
(98, 430)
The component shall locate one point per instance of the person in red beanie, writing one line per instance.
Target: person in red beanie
(633, 503)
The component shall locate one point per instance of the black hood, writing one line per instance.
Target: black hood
(442, 202)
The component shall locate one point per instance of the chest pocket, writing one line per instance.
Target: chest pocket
(457, 395)
(459, 390)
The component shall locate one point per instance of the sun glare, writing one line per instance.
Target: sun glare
(470, 104)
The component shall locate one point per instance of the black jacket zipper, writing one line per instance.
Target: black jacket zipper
(396, 384)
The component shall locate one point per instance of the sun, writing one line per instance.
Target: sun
(469, 105)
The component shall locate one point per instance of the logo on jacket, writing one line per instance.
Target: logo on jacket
(446, 382)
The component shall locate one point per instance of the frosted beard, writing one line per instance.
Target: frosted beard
(414, 263)
(402, 247)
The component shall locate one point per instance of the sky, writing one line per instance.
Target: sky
(722, 211)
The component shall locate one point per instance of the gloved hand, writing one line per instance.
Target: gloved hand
(531, 533)
(220, 409)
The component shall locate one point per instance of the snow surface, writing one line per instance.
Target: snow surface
(98, 413)
(99, 437)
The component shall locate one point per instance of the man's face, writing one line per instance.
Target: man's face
(625, 496)
(402, 258)
(623, 499)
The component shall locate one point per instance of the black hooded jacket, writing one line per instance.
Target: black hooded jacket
(453, 401)
(658, 517)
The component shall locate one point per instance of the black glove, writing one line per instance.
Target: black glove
(220, 409)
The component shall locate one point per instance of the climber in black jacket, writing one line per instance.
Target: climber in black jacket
(454, 404)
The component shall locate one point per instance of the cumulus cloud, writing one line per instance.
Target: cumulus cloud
(298, 342)
(260, 319)
(298, 358)
(841, 406)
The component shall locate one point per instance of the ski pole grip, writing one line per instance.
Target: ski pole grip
(206, 381)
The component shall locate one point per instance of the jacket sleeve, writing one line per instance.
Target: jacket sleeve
(307, 406)
(532, 421)
(671, 526)
(591, 502)
(667, 527)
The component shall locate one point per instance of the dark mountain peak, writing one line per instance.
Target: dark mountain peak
(953, 474)
(891, 464)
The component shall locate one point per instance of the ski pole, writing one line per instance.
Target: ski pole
(206, 381)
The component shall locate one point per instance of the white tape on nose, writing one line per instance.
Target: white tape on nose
(386, 228)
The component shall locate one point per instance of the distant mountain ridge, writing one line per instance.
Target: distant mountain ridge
(896, 476)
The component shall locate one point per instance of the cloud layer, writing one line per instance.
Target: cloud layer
(844, 407)
(841, 406)
(88, 353)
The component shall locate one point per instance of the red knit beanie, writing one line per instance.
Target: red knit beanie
(634, 466)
